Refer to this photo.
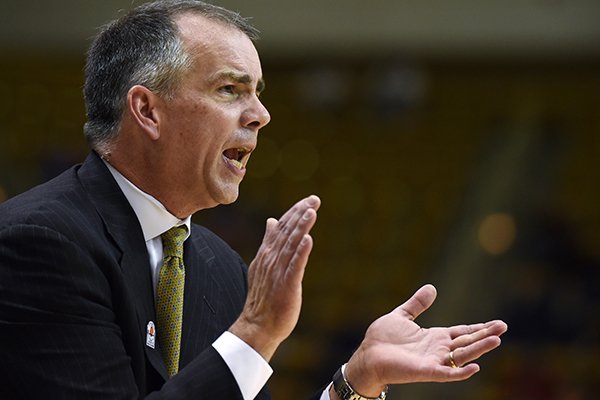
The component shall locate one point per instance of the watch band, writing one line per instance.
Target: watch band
(346, 392)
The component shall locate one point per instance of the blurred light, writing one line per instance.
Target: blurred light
(300, 160)
(323, 88)
(404, 87)
(497, 233)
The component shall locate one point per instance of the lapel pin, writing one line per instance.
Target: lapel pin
(150, 335)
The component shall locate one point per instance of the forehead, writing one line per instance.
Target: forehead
(216, 46)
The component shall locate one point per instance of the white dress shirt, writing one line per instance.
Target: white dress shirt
(249, 369)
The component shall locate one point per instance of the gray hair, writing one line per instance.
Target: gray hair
(142, 47)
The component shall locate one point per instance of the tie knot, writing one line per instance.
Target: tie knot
(173, 241)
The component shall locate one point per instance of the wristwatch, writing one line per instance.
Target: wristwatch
(345, 391)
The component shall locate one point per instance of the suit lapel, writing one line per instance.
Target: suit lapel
(124, 228)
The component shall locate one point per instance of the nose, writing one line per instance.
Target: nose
(256, 115)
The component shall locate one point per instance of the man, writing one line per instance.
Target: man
(97, 300)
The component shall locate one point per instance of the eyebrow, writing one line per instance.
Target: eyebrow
(242, 78)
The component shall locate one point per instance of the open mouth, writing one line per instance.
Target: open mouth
(237, 157)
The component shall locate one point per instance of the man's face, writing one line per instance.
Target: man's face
(211, 124)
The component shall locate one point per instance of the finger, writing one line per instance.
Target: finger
(465, 340)
(270, 232)
(304, 225)
(298, 210)
(256, 274)
(297, 265)
(479, 331)
(267, 242)
(496, 327)
(288, 223)
(274, 226)
(449, 374)
(419, 302)
(464, 355)
(461, 330)
(274, 250)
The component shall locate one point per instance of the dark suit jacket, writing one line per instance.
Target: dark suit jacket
(76, 298)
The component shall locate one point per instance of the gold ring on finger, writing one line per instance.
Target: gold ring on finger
(451, 359)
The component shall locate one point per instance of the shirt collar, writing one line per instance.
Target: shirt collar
(154, 218)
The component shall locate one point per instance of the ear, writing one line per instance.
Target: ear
(143, 105)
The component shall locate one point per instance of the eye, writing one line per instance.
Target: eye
(227, 89)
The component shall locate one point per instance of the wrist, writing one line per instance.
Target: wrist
(362, 378)
(254, 337)
(345, 390)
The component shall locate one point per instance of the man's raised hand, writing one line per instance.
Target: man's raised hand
(275, 277)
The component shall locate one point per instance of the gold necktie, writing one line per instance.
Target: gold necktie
(169, 297)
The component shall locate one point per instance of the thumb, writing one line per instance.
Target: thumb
(270, 232)
(419, 302)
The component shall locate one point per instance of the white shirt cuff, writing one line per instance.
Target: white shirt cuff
(250, 370)
(325, 394)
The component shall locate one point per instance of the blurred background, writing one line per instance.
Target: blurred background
(451, 142)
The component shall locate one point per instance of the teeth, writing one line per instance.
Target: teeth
(237, 164)
(237, 157)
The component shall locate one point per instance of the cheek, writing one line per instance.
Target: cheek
(202, 130)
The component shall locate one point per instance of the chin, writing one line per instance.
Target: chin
(228, 196)
(229, 200)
